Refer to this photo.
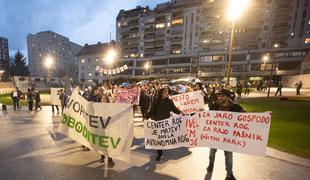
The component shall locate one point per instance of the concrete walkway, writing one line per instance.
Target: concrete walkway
(31, 148)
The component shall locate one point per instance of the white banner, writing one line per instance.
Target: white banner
(104, 127)
(231, 131)
(55, 96)
(189, 102)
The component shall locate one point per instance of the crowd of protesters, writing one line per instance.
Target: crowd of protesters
(32, 96)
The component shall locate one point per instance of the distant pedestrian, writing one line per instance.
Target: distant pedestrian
(247, 87)
(239, 89)
(37, 98)
(30, 100)
(160, 109)
(279, 89)
(224, 104)
(144, 103)
(63, 99)
(16, 96)
(298, 87)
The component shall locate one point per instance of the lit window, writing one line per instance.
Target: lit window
(89, 74)
(168, 24)
(307, 41)
(83, 61)
(176, 51)
(141, 55)
(159, 26)
(309, 22)
(119, 24)
(177, 21)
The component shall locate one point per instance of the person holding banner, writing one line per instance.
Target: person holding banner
(224, 104)
(105, 99)
(160, 109)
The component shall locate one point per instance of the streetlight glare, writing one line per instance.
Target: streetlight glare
(265, 58)
(110, 56)
(48, 62)
(236, 8)
(147, 65)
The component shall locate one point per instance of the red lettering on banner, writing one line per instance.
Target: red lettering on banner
(191, 133)
(241, 126)
(210, 138)
(191, 123)
(220, 131)
(235, 142)
(253, 118)
(193, 142)
(223, 116)
(252, 136)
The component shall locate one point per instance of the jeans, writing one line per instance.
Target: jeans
(55, 107)
(16, 104)
(228, 160)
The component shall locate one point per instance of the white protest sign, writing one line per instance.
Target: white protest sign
(104, 127)
(55, 96)
(231, 131)
(189, 102)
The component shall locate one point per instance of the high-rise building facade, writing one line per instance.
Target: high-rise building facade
(192, 37)
(4, 58)
(63, 52)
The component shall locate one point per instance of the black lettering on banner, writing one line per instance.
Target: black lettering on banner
(76, 107)
(93, 123)
(154, 132)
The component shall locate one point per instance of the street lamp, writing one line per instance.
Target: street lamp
(271, 69)
(236, 8)
(48, 63)
(110, 57)
(265, 59)
(147, 67)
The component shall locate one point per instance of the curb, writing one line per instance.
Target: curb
(287, 157)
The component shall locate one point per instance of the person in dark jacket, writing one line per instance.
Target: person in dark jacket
(16, 96)
(239, 89)
(279, 89)
(37, 99)
(144, 103)
(30, 100)
(160, 109)
(224, 104)
(212, 97)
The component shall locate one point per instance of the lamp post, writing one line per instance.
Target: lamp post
(236, 8)
(48, 63)
(147, 68)
(271, 70)
(110, 57)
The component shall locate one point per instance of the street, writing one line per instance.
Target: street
(31, 148)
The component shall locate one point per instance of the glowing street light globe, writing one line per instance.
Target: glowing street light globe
(48, 62)
(236, 8)
(110, 56)
(147, 66)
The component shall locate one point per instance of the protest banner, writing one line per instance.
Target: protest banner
(231, 131)
(55, 96)
(128, 96)
(104, 127)
(189, 102)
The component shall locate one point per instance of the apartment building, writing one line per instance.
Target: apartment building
(4, 58)
(191, 38)
(50, 44)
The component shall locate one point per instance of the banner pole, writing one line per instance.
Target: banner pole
(106, 168)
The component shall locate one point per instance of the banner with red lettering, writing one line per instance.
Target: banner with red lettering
(231, 131)
(189, 102)
(128, 96)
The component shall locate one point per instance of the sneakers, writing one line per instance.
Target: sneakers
(158, 158)
(230, 177)
(210, 168)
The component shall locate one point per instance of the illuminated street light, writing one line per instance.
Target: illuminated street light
(147, 66)
(110, 56)
(266, 58)
(276, 45)
(48, 63)
(236, 8)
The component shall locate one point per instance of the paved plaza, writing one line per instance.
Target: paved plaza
(31, 148)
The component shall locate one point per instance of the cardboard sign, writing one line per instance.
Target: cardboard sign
(104, 127)
(128, 96)
(231, 131)
(189, 102)
(55, 96)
